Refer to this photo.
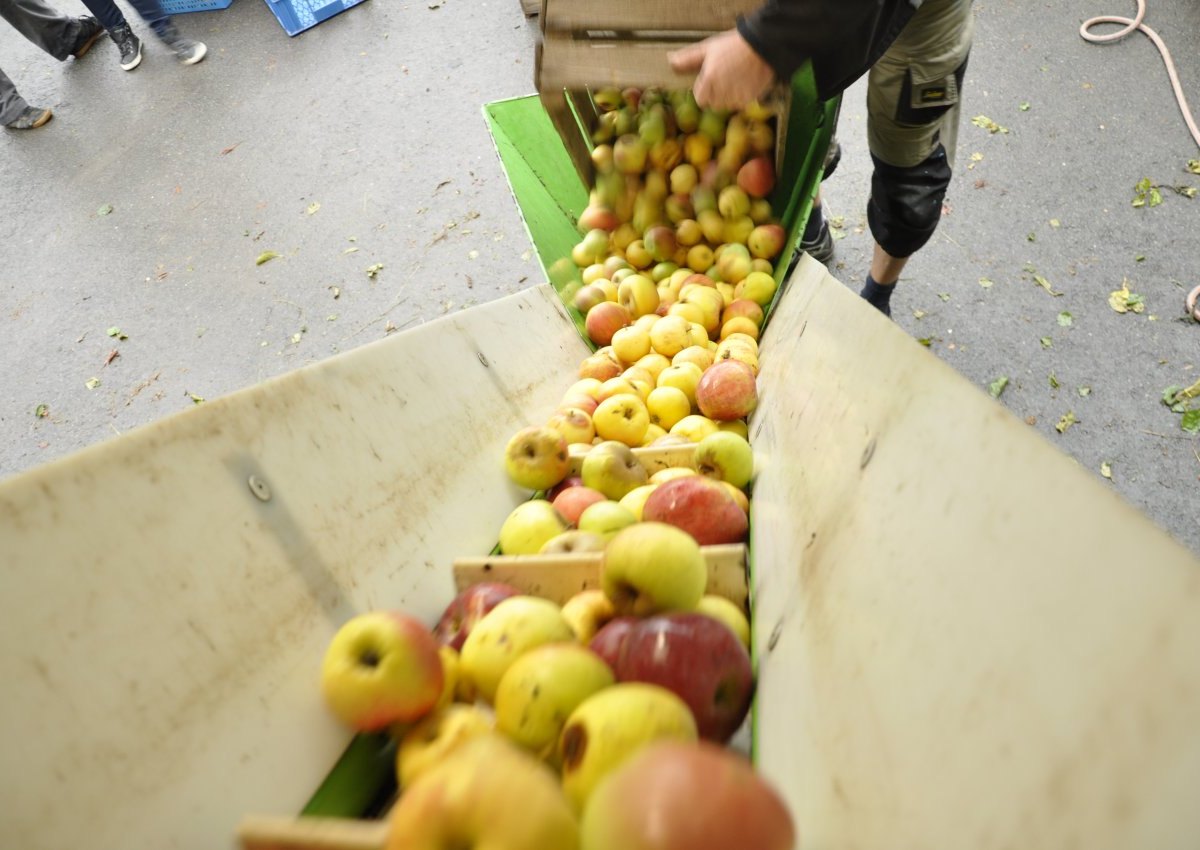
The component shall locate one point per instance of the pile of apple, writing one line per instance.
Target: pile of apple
(678, 224)
(594, 725)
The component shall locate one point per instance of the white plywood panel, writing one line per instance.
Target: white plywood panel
(965, 639)
(162, 628)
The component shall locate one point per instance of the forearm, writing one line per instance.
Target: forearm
(786, 33)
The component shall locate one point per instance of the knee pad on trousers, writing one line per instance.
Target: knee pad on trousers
(906, 203)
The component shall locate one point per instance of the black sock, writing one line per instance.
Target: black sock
(879, 295)
(812, 230)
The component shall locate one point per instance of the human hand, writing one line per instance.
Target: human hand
(730, 73)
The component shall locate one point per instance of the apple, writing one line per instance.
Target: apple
(467, 609)
(566, 484)
(697, 149)
(689, 312)
(733, 202)
(701, 507)
(587, 612)
(739, 229)
(725, 456)
(667, 405)
(700, 257)
(381, 668)
(614, 724)
(635, 499)
(671, 473)
(572, 502)
(607, 640)
(739, 496)
(632, 343)
(694, 428)
(733, 264)
(736, 426)
(613, 387)
(606, 518)
(653, 363)
(697, 658)
(573, 424)
(757, 177)
(507, 632)
(653, 566)
(743, 308)
(622, 418)
(542, 688)
(433, 739)
(760, 211)
(685, 377)
(739, 324)
(536, 458)
(449, 658)
(613, 469)
(688, 234)
(482, 796)
(598, 218)
(666, 154)
(529, 526)
(608, 287)
(604, 320)
(573, 541)
(684, 178)
(588, 297)
(720, 608)
(680, 796)
(637, 255)
(639, 296)
(653, 432)
(727, 391)
(766, 241)
(741, 355)
(597, 367)
(630, 154)
(712, 225)
(759, 287)
(698, 354)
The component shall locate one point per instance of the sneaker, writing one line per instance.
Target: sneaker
(187, 51)
(31, 118)
(821, 249)
(89, 31)
(129, 45)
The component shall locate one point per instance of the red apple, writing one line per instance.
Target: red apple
(568, 482)
(757, 177)
(660, 242)
(604, 320)
(588, 297)
(467, 609)
(766, 241)
(727, 391)
(598, 218)
(579, 402)
(745, 308)
(684, 796)
(574, 500)
(697, 658)
(608, 641)
(701, 507)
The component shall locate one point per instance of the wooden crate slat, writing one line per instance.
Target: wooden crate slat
(265, 832)
(531, 7)
(559, 577)
(653, 458)
(567, 63)
(708, 15)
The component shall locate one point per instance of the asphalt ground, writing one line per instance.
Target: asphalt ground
(146, 203)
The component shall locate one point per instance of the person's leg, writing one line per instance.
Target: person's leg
(913, 108)
(15, 113)
(51, 30)
(187, 50)
(122, 35)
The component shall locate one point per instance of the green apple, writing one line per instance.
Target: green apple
(614, 724)
(508, 631)
(613, 469)
(529, 526)
(380, 669)
(726, 456)
(438, 735)
(651, 567)
(488, 795)
(542, 688)
(720, 608)
(606, 518)
(635, 500)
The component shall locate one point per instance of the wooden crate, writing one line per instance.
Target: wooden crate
(587, 45)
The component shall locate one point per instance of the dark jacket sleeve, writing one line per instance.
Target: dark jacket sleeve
(786, 33)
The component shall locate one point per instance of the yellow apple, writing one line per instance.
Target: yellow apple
(725, 456)
(508, 631)
(737, 426)
(698, 334)
(574, 424)
(536, 458)
(726, 290)
(665, 475)
(612, 387)
(646, 322)
(613, 469)
(586, 612)
(487, 793)
(610, 289)
(694, 428)
(741, 339)
(698, 354)
(739, 324)
(700, 257)
(433, 739)
(690, 312)
(759, 287)
(683, 377)
(653, 432)
(529, 526)
(667, 405)
(635, 500)
(543, 687)
(449, 658)
(632, 343)
(584, 386)
(623, 236)
(638, 294)
(670, 335)
(606, 518)
(653, 363)
(623, 418)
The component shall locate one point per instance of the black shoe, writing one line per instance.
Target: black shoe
(129, 45)
(89, 31)
(821, 249)
(31, 118)
(187, 50)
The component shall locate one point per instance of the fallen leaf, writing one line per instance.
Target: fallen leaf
(1186, 191)
(351, 238)
(117, 332)
(1084, 392)
(977, 157)
(1066, 422)
(1065, 320)
(229, 149)
(1191, 421)
(1106, 470)
(105, 210)
(1053, 382)
(200, 332)
(1047, 342)
(471, 255)
(1146, 194)
(337, 292)
(1193, 165)
(1054, 222)
(374, 270)
(997, 387)
(1122, 300)
(985, 123)
(41, 411)
(349, 250)
(332, 317)
(265, 257)
(986, 282)
(926, 341)
(945, 296)
(196, 399)
(1030, 420)
(918, 314)
(1024, 107)
(979, 184)
(389, 327)
(296, 338)
(92, 383)
(112, 355)
(313, 207)
(1031, 236)
(1140, 258)
(1046, 285)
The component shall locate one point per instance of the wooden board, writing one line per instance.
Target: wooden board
(559, 577)
(531, 7)
(633, 15)
(569, 63)
(653, 458)
(262, 832)
(964, 638)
